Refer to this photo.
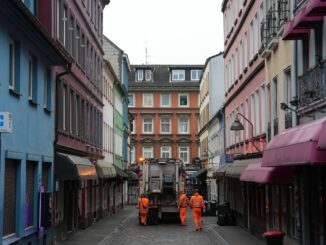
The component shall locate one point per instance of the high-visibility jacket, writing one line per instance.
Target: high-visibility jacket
(182, 201)
(197, 201)
(143, 205)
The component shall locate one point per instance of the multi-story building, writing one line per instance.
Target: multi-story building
(28, 54)
(305, 152)
(211, 131)
(245, 103)
(120, 65)
(78, 144)
(163, 100)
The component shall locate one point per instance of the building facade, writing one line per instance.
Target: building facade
(78, 27)
(211, 131)
(28, 55)
(245, 103)
(163, 100)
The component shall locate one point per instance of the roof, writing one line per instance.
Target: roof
(161, 78)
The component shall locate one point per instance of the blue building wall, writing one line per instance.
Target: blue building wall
(33, 126)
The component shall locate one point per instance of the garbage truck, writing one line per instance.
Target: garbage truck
(161, 180)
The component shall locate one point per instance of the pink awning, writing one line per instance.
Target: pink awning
(296, 146)
(289, 33)
(316, 8)
(322, 138)
(301, 20)
(267, 175)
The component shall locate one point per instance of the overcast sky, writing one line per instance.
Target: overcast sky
(174, 31)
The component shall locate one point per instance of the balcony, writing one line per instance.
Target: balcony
(312, 85)
(270, 26)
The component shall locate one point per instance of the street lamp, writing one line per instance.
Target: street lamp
(237, 126)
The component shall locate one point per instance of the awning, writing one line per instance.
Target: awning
(289, 33)
(105, 169)
(221, 170)
(316, 7)
(120, 172)
(132, 175)
(200, 173)
(301, 20)
(296, 146)
(211, 172)
(235, 169)
(267, 175)
(71, 167)
(322, 138)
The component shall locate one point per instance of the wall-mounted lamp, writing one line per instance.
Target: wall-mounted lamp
(285, 107)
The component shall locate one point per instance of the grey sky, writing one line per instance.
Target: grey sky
(174, 31)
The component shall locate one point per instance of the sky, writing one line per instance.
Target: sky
(172, 31)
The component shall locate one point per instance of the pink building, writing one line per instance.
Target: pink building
(245, 99)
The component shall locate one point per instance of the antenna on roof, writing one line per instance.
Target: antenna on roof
(146, 54)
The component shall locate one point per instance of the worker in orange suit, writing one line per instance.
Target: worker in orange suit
(143, 209)
(182, 205)
(197, 204)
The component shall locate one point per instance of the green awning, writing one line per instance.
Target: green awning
(120, 172)
(71, 167)
(105, 169)
(199, 173)
(132, 175)
(235, 169)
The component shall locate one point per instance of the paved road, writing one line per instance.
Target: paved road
(123, 229)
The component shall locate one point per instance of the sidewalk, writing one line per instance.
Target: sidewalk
(101, 229)
(233, 235)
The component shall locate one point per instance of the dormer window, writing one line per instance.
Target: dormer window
(140, 75)
(178, 75)
(148, 75)
(195, 75)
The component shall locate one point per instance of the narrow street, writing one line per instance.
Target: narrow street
(123, 229)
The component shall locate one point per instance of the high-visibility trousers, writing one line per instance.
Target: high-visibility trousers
(143, 217)
(198, 219)
(183, 214)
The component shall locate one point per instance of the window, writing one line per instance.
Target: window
(132, 155)
(148, 152)
(77, 110)
(184, 154)
(71, 111)
(183, 100)
(140, 75)
(131, 99)
(165, 100)
(274, 94)
(148, 100)
(47, 89)
(195, 75)
(64, 107)
(32, 78)
(148, 75)
(12, 64)
(147, 125)
(132, 127)
(183, 125)
(178, 75)
(165, 125)
(77, 44)
(72, 35)
(64, 26)
(165, 151)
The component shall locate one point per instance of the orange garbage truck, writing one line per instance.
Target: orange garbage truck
(161, 180)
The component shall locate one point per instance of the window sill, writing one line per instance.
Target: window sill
(32, 102)
(47, 110)
(10, 239)
(15, 93)
(251, 62)
(245, 69)
(255, 57)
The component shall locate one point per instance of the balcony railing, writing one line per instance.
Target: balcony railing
(312, 85)
(288, 120)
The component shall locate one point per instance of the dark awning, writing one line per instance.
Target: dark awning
(105, 169)
(120, 172)
(235, 169)
(199, 173)
(71, 167)
(132, 175)
(221, 171)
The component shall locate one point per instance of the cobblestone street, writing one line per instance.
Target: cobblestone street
(123, 229)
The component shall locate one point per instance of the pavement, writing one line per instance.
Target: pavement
(122, 228)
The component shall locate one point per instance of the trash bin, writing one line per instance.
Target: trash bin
(212, 208)
(224, 216)
(274, 237)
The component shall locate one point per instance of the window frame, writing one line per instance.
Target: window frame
(152, 102)
(197, 72)
(133, 100)
(162, 94)
(151, 149)
(187, 151)
(177, 72)
(188, 124)
(147, 71)
(169, 132)
(152, 125)
(140, 75)
(179, 100)
(169, 151)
